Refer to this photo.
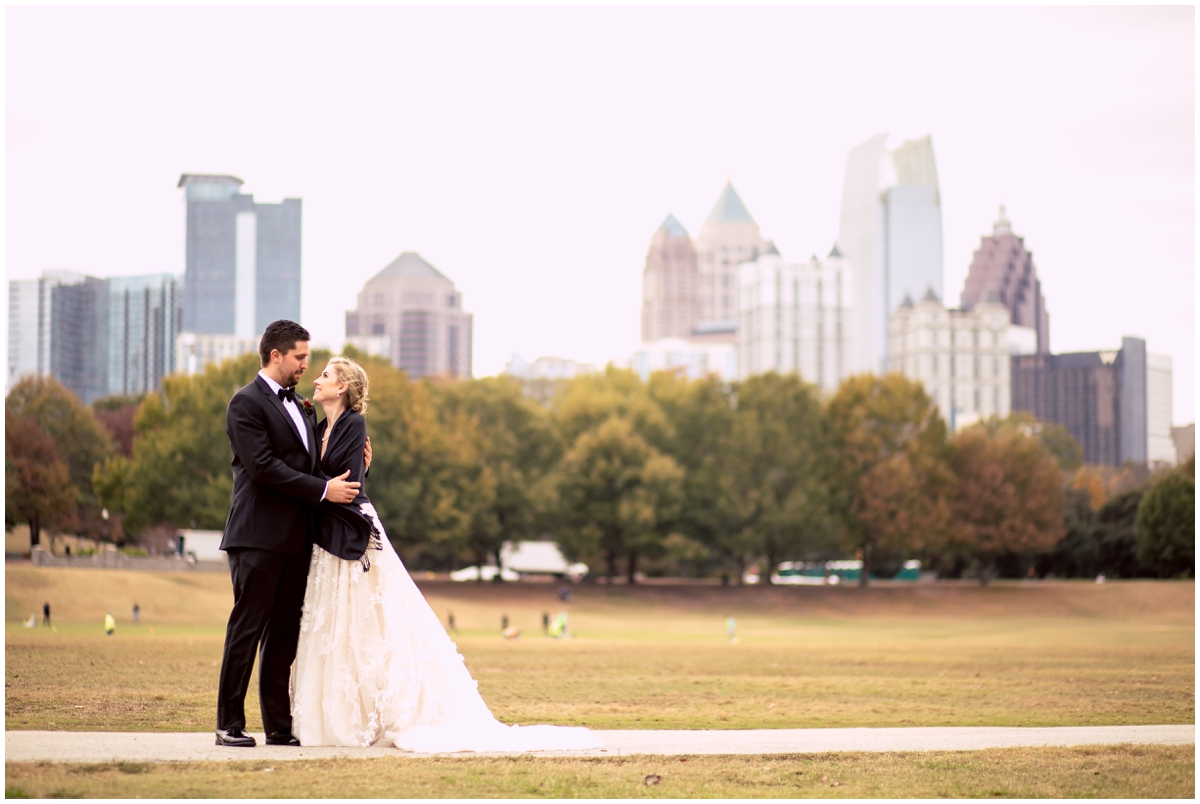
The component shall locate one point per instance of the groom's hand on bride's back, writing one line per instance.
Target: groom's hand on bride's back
(341, 490)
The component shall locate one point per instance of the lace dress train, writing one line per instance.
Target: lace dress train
(375, 667)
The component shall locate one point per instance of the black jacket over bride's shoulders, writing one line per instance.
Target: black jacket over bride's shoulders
(343, 529)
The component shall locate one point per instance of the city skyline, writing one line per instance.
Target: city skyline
(1096, 169)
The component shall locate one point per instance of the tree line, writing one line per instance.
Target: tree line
(667, 476)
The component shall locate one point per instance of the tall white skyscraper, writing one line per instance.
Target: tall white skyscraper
(796, 317)
(891, 232)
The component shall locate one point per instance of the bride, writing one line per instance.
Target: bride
(374, 665)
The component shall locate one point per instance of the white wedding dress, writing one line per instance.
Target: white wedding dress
(375, 667)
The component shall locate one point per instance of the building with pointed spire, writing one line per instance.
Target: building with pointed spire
(962, 357)
(1002, 265)
(670, 284)
(728, 237)
(412, 313)
(891, 232)
(796, 318)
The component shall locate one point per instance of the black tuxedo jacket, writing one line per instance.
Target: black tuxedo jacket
(344, 530)
(275, 489)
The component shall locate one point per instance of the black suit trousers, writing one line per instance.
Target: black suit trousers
(268, 594)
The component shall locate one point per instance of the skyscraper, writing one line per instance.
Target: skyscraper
(243, 258)
(1003, 266)
(31, 334)
(796, 317)
(417, 309)
(143, 320)
(98, 337)
(728, 237)
(891, 233)
(670, 284)
(1116, 403)
(962, 357)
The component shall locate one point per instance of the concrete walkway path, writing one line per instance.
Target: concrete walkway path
(66, 746)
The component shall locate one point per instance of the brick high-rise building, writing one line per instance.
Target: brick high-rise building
(670, 284)
(1004, 266)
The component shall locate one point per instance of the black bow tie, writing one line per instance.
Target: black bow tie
(287, 394)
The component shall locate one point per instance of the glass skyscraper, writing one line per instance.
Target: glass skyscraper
(891, 234)
(242, 267)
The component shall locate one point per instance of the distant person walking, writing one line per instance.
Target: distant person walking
(46, 614)
(137, 614)
(545, 622)
(731, 629)
(450, 622)
(110, 623)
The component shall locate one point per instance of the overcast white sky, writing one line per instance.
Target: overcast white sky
(530, 153)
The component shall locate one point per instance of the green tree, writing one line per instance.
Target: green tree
(37, 485)
(426, 481)
(618, 496)
(1166, 526)
(1008, 494)
(78, 437)
(179, 473)
(588, 401)
(516, 447)
(893, 482)
(779, 473)
(701, 413)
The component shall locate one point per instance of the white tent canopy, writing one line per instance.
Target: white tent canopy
(538, 558)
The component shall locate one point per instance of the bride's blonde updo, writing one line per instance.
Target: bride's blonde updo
(352, 374)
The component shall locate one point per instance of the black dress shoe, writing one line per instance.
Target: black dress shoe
(235, 738)
(282, 738)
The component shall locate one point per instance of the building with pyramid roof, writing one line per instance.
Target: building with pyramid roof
(411, 313)
(670, 284)
(728, 237)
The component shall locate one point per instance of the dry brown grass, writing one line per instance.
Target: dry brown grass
(1107, 772)
(656, 657)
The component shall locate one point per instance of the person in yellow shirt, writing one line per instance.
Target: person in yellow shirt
(110, 624)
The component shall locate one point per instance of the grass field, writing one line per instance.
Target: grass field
(1110, 771)
(1048, 654)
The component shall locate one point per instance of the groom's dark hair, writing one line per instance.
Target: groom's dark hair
(281, 335)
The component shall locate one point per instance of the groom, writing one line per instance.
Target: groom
(268, 535)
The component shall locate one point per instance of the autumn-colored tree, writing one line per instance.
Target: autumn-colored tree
(1090, 480)
(37, 483)
(78, 437)
(893, 482)
(1008, 494)
(618, 496)
(116, 414)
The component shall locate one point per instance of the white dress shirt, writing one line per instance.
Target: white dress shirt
(297, 417)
